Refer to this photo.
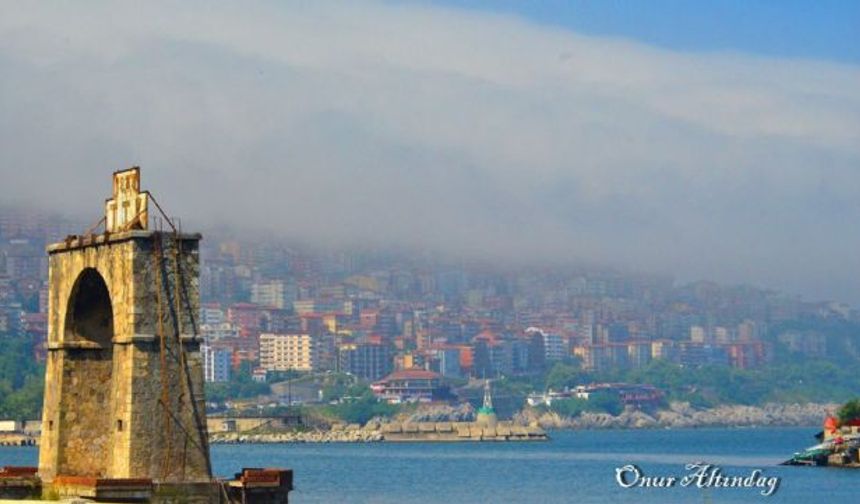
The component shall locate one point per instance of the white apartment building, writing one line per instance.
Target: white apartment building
(285, 352)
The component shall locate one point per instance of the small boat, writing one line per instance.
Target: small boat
(814, 455)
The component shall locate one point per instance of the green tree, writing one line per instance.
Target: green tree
(240, 386)
(605, 401)
(849, 411)
(571, 407)
(563, 375)
(21, 380)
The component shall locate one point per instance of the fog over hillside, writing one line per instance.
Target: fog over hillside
(474, 134)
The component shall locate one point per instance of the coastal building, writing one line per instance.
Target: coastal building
(555, 346)
(448, 359)
(409, 385)
(285, 352)
(635, 395)
(548, 397)
(217, 363)
(369, 361)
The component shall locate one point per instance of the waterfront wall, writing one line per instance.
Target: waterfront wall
(391, 432)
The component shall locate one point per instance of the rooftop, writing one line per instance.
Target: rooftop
(412, 374)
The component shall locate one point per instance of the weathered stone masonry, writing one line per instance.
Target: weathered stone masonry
(124, 381)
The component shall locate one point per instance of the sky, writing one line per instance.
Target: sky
(824, 29)
(715, 142)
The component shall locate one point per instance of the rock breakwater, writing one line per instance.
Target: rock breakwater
(337, 434)
(683, 415)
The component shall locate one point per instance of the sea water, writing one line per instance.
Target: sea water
(574, 466)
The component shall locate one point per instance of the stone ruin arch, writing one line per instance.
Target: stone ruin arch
(89, 316)
(124, 394)
(124, 407)
(84, 442)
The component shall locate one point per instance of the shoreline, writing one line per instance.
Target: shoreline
(326, 437)
(678, 415)
(393, 432)
(683, 415)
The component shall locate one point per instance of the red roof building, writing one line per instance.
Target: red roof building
(409, 385)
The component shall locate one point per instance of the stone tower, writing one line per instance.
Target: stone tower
(124, 380)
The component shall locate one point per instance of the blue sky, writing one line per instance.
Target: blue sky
(822, 29)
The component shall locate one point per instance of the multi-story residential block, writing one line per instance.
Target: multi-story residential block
(555, 346)
(723, 335)
(663, 349)
(749, 330)
(593, 357)
(217, 363)
(695, 354)
(286, 352)
(638, 353)
(214, 332)
(698, 334)
(249, 318)
(212, 314)
(369, 361)
(269, 293)
(748, 355)
(448, 359)
(24, 258)
(11, 318)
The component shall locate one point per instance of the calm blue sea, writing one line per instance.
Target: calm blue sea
(572, 467)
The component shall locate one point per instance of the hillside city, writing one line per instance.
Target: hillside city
(414, 328)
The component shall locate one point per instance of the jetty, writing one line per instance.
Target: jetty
(461, 431)
(374, 432)
(485, 427)
(18, 439)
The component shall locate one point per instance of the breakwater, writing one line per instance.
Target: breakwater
(683, 415)
(444, 423)
(18, 439)
(391, 432)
